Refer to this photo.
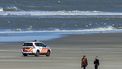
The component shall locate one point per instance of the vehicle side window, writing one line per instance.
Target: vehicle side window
(37, 44)
(40, 44)
(28, 44)
(44, 45)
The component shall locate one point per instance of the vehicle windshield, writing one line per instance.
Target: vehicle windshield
(28, 44)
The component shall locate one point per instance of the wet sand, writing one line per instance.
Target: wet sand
(67, 53)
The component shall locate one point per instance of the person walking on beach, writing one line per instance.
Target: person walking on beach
(84, 62)
(96, 62)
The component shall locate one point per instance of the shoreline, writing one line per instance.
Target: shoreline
(66, 36)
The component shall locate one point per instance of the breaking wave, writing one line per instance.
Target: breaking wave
(108, 29)
(1, 9)
(13, 8)
(9, 8)
(18, 36)
(56, 13)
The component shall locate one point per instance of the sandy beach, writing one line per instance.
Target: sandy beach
(67, 53)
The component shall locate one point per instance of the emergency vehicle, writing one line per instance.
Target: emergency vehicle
(35, 48)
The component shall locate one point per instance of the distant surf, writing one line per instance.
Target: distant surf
(19, 36)
(108, 29)
(9, 8)
(52, 13)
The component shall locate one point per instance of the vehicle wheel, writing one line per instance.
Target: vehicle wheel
(24, 54)
(48, 53)
(37, 54)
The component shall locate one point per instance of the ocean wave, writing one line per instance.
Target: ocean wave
(1, 9)
(18, 36)
(9, 8)
(107, 29)
(55, 13)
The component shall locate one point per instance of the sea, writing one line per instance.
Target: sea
(28, 20)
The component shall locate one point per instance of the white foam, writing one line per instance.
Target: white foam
(61, 13)
(93, 30)
(1, 9)
(13, 36)
(10, 8)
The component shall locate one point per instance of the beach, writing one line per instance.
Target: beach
(67, 53)
(71, 28)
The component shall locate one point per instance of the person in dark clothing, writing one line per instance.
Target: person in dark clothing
(96, 62)
(84, 62)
